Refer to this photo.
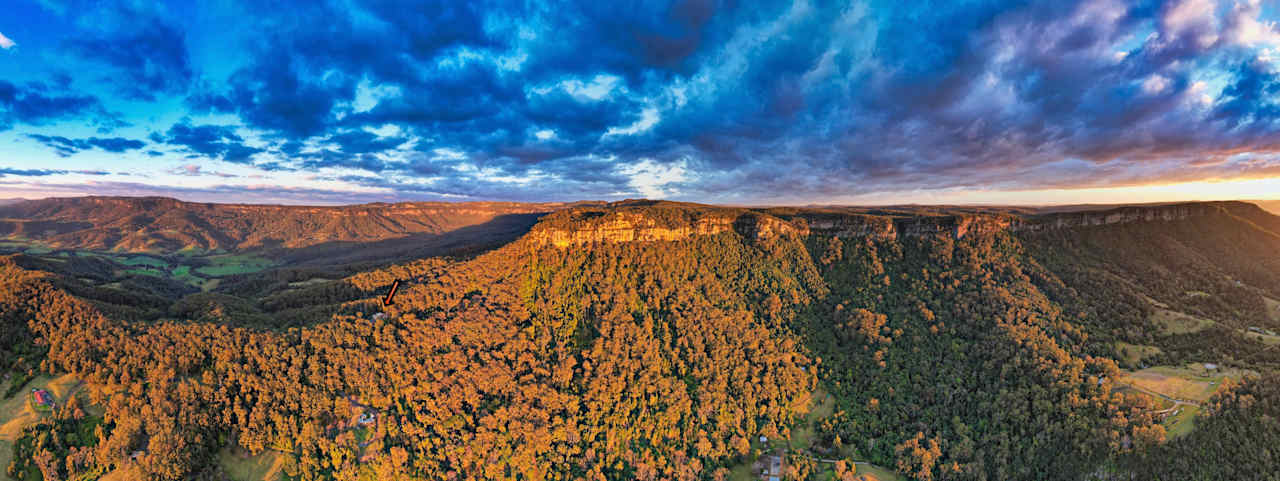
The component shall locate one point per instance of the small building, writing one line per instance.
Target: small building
(773, 469)
(366, 418)
(42, 398)
(1210, 366)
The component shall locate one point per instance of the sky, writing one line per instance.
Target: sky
(762, 102)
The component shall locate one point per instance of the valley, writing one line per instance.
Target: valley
(636, 340)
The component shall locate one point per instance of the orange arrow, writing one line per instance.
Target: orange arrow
(394, 285)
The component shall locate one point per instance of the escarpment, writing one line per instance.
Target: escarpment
(632, 222)
(626, 223)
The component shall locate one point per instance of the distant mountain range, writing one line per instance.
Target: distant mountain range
(167, 225)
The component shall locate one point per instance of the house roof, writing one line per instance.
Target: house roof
(43, 397)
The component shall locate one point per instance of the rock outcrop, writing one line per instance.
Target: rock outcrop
(670, 222)
(595, 227)
(626, 227)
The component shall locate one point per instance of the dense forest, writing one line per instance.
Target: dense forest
(957, 346)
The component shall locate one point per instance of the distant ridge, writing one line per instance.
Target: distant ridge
(631, 221)
(160, 224)
(1272, 206)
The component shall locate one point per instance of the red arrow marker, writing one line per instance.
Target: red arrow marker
(394, 285)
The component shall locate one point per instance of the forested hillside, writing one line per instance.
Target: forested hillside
(293, 233)
(643, 340)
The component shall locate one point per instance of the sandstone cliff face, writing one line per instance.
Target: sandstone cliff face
(596, 227)
(637, 225)
(626, 227)
(1123, 215)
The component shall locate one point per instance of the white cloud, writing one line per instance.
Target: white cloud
(597, 89)
(1199, 92)
(651, 179)
(5, 43)
(1193, 17)
(648, 118)
(368, 95)
(1155, 84)
(1245, 28)
(544, 134)
(448, 154)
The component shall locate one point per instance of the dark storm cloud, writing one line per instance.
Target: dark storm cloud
(66, 147)
(362, 142)
(5, 171)
(266, 194)
(147, 55)
(37, 104)
(215, 141)
(8, 171)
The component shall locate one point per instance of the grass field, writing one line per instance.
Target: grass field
(129, 473)
(1191, 382)
(1133, 353)
(210, 285)
(17, 412)
(185, 274)
(225, 265)
(1183, 423)
(1273, 308)
(1173, 322)
(145, 261)
(877, 473)
(146, 271)
(1173, 382)
(309, 282)
(824, 405)
(267, 466)
(1263, 338)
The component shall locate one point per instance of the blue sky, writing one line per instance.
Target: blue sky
(703, 100)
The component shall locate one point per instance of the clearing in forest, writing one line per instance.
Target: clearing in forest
(1273, 308)
(1181, 423)
(1131, 354)
(18, 412)
(229, 264)
(241, 466)
(1191, 382)
(871, 472)
(1174, 322)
